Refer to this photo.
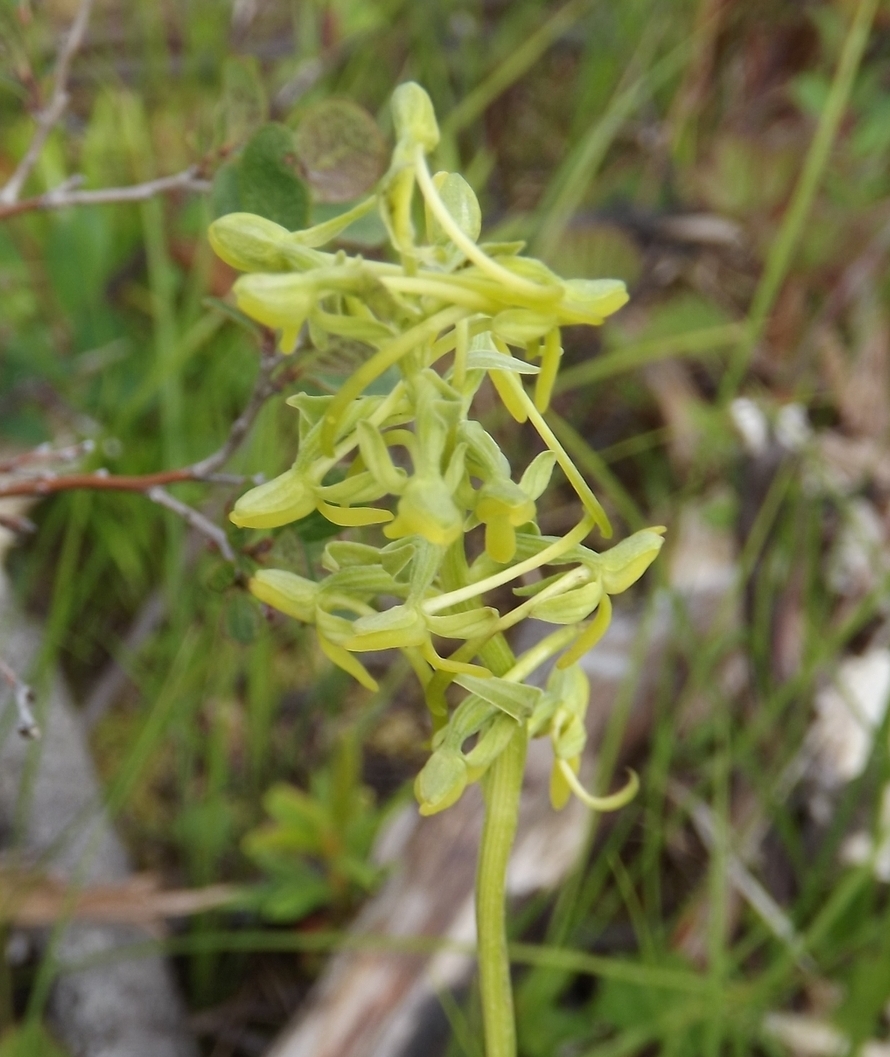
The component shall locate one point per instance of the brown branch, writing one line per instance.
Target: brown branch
(52, 112)
(66, 194)
(23, 696)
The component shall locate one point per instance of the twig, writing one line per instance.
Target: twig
(17, 524)
(194, 518)
(24, 698)
(66, 193)
(49, 116)
(45, 453)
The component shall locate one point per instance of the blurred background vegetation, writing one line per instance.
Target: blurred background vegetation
(669, 143)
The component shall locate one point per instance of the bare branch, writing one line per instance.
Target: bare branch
(67, 194)
(194, 518)
(52, 112)
(44, 453)
(17, 524)
(24, 698)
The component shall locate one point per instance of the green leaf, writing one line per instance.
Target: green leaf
(460, 201)
(492, 360)
(225, 195)
(572, 606)
(537, 474)
(341, 150)
(293, 899)
(291, 807)
(516, 699)
(267, 182)
(220, 576)
(242, 619)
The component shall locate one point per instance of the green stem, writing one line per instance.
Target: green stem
(502, 786)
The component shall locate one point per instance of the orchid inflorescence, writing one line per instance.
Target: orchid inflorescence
(450, 313)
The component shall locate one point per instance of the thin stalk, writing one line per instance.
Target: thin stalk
(502, 787)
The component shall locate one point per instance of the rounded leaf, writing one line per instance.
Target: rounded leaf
(267, 181)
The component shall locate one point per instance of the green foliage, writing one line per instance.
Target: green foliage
(315, 849)
(30, 1040)
(263, 180)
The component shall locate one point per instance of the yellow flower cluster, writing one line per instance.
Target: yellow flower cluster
(450, 313)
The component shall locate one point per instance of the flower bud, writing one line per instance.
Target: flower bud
(291, 594)
(414, 117)
(591, 300)
(623, 564)
(249, 243)
(490, 745)
(275, 300)
(277, 502)
(441, 782)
